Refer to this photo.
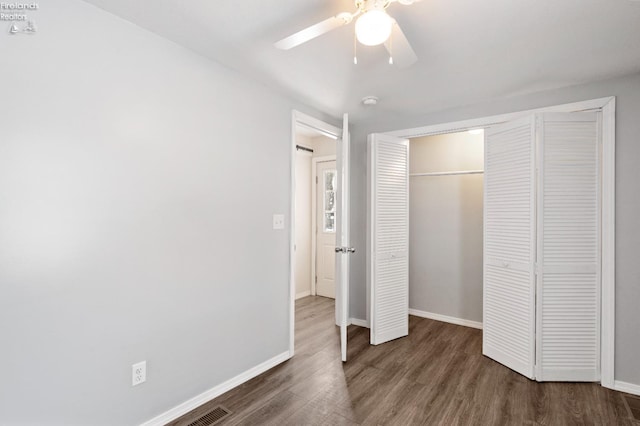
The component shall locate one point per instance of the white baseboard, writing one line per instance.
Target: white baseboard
(216, 391)
(303, 294)
(626, 387)
(445, 318)
(359, 322)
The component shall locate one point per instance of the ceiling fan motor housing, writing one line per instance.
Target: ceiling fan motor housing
(367, 5)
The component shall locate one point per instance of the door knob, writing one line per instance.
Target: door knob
(345, 250)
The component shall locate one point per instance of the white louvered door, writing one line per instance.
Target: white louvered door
(509, 245)
(389, 237)
(568, 310)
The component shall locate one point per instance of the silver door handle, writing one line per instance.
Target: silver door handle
(345, 250)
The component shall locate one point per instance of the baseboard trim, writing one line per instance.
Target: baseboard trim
(216, 391)
(359, 322)
(626, 387)
(303, 294)
(445, 318)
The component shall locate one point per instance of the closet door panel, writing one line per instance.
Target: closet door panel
(509, 246)
(568, 248)
(389, 237)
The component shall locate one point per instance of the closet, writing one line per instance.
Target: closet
(541, 244)
(445, 219)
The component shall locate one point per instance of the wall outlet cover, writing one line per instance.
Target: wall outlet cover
(138, 373)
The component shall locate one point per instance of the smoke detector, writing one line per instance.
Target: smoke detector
(370, 101)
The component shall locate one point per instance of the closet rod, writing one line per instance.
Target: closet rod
(304, 148)
(463, 172)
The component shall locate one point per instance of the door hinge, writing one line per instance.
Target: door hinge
(316, 279)
(316, 180)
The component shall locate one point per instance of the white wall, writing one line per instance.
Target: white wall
(323, 146)
(137, 185)
(445, 223)
(303, 219)
(627, 91)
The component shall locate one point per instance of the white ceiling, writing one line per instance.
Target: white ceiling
(469, 50)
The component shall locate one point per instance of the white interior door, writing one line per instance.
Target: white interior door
(509, 245)
(344, 249)
(568, 310)
(326, 194)
(388, 237)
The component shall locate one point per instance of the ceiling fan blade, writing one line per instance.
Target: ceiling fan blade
(406, 2)
(399, 48)
(312, 32)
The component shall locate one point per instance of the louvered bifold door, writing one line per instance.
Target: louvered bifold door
(509, 245)
(568, 315)
(389, 237)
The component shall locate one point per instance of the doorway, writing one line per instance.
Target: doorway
(315, 224)
(445, 219)
(322, 151)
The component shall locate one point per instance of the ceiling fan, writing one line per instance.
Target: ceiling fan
(373, 27)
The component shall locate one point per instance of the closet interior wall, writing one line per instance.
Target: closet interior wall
(446, 226)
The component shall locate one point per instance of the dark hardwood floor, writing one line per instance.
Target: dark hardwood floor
(435, 376)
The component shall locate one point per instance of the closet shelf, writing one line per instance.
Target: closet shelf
(462, 172)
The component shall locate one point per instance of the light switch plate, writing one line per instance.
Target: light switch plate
(278, 221)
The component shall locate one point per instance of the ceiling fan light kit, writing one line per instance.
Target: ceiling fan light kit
(373, 28)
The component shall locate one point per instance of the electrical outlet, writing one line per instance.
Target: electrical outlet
(138, 373)
(278, 221)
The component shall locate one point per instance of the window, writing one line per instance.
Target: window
(329, 204)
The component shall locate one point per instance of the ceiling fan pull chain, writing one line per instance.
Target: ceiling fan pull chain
(391, 49)
(355, 49)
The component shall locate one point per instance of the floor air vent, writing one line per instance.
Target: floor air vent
(633, 405)
(212, 417)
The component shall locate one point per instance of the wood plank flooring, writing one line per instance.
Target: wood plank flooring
(435, 376)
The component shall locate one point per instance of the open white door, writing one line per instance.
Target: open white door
(568, 311)
(388, 202)
(343, 248)
(509, 245)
